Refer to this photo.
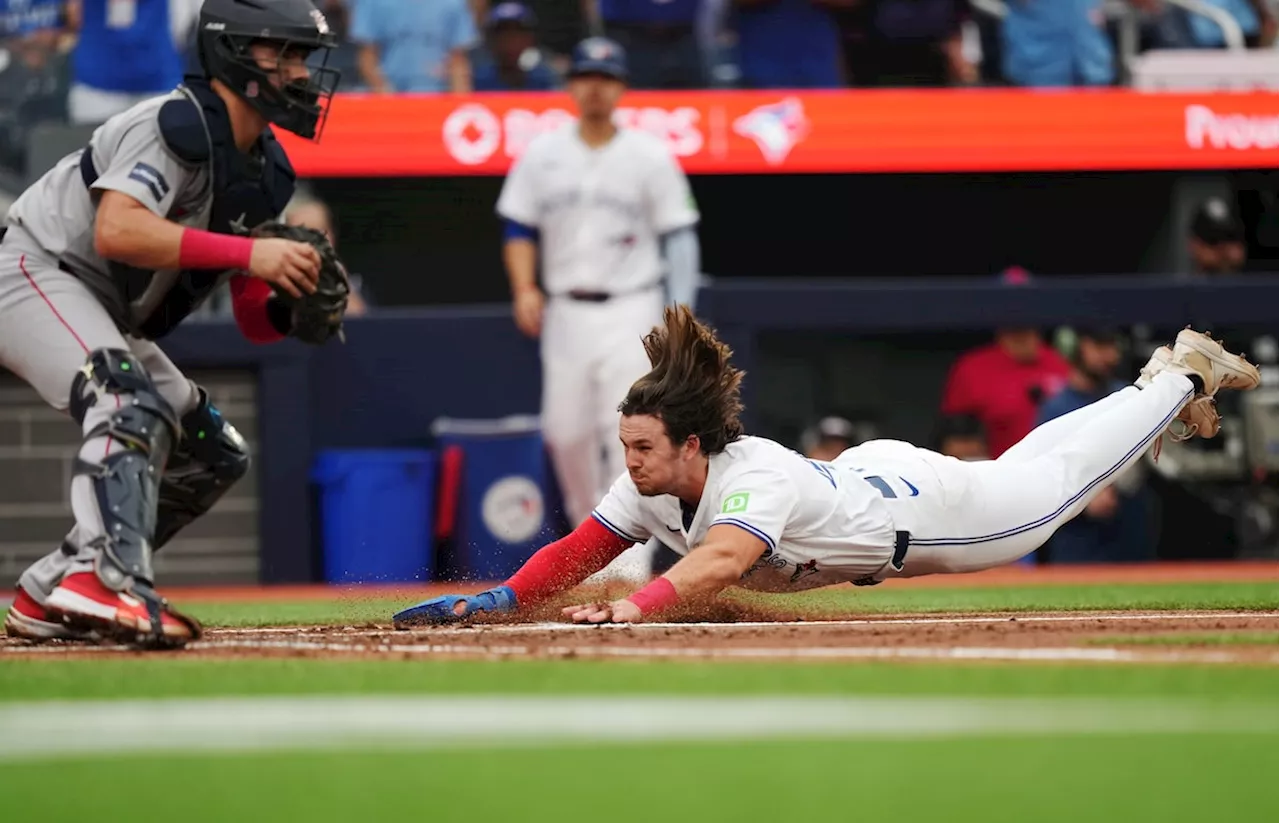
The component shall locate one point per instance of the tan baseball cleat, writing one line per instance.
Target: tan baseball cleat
(1199, 354)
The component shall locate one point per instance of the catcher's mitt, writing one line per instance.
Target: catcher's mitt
(315, 317)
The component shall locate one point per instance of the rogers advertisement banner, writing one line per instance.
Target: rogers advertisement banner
(752, 132)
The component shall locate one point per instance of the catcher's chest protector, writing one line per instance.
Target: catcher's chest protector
(247, 189)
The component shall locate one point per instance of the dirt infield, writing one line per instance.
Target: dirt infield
(742, 632)
(1192, 637)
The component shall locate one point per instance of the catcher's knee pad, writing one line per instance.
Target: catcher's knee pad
(210, 457)
(125, 484)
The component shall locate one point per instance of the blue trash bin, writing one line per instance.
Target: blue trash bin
(506, 494)
(377, 507)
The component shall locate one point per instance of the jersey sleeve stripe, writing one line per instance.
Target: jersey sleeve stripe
(747, 527)
(604, 521)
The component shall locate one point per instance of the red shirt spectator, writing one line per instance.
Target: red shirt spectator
(1003, 383)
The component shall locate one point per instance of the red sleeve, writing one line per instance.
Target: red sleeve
(567, 562)
(249, 297)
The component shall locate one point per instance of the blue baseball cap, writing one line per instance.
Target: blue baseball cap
(511, 12)
(599, 55)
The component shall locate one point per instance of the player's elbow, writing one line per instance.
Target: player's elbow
(111, 230)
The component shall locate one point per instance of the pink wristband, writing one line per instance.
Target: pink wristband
(210, 250)
(658, 595)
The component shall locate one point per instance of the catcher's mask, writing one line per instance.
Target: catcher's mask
(228, 31)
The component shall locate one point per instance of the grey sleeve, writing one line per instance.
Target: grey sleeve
(137, 163)
(683, 263)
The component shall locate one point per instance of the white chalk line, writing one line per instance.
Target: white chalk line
(1049, 654)
(471, 631)
(50, 729)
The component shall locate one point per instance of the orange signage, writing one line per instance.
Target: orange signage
(763, 132)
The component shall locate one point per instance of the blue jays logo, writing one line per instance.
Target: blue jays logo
(776, 129)
(597, 50)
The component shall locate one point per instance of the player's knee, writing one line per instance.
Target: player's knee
(208, 439)
(138, 415)
(208, 461)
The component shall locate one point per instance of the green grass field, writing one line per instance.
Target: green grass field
(173, 736)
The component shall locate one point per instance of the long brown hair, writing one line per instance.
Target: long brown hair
(691, 388)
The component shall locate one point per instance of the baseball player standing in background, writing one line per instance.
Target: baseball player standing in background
(746, 511)
(115, 246)
(599, 207)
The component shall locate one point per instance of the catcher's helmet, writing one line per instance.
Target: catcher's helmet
(229, 27)
(599, 55)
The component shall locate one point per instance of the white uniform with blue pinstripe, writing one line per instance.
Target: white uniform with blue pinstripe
(825, 523)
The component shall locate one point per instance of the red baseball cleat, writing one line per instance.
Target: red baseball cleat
(84, 602)
(28, 620)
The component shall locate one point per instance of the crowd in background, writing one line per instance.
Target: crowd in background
(82, 60)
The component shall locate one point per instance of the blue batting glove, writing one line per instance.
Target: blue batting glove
(439, 610)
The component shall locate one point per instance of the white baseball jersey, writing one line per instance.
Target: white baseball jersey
(599, 212)
(821, 523)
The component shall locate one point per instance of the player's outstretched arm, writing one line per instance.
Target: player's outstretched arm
(690, 584)
(554, 568)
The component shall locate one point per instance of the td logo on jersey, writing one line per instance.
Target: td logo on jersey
(735, 503)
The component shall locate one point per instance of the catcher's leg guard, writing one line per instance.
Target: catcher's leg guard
(110, 585)
(208, 460)
(126, 482)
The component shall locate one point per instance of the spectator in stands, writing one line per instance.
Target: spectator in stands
(658, 36)
(1003, 383)
(1256, 18)
(1216, 239)
(127, 51)
(414, 46)
(791, 44)
(32, 73)
(306, 210)
(827, 438)
(511, 59)
(906, 43)
(1116, 526)
(1057, 43)
(960, 436)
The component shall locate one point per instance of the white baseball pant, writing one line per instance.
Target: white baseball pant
(970, 516)
(591, 354)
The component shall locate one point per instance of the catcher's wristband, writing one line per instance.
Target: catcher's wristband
(656, 596)
(201, 249)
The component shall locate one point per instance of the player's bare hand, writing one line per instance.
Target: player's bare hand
(527, 308)
(293, 266)
(619, 611)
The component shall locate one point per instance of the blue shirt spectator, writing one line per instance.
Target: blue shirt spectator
(511, 60)
(788, 44)
(127, 51)
(19, 18)
(1057, 43)
(414, 45)
(660, 39)
(1206, 34)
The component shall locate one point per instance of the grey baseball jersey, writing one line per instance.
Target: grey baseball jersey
(130, 156)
